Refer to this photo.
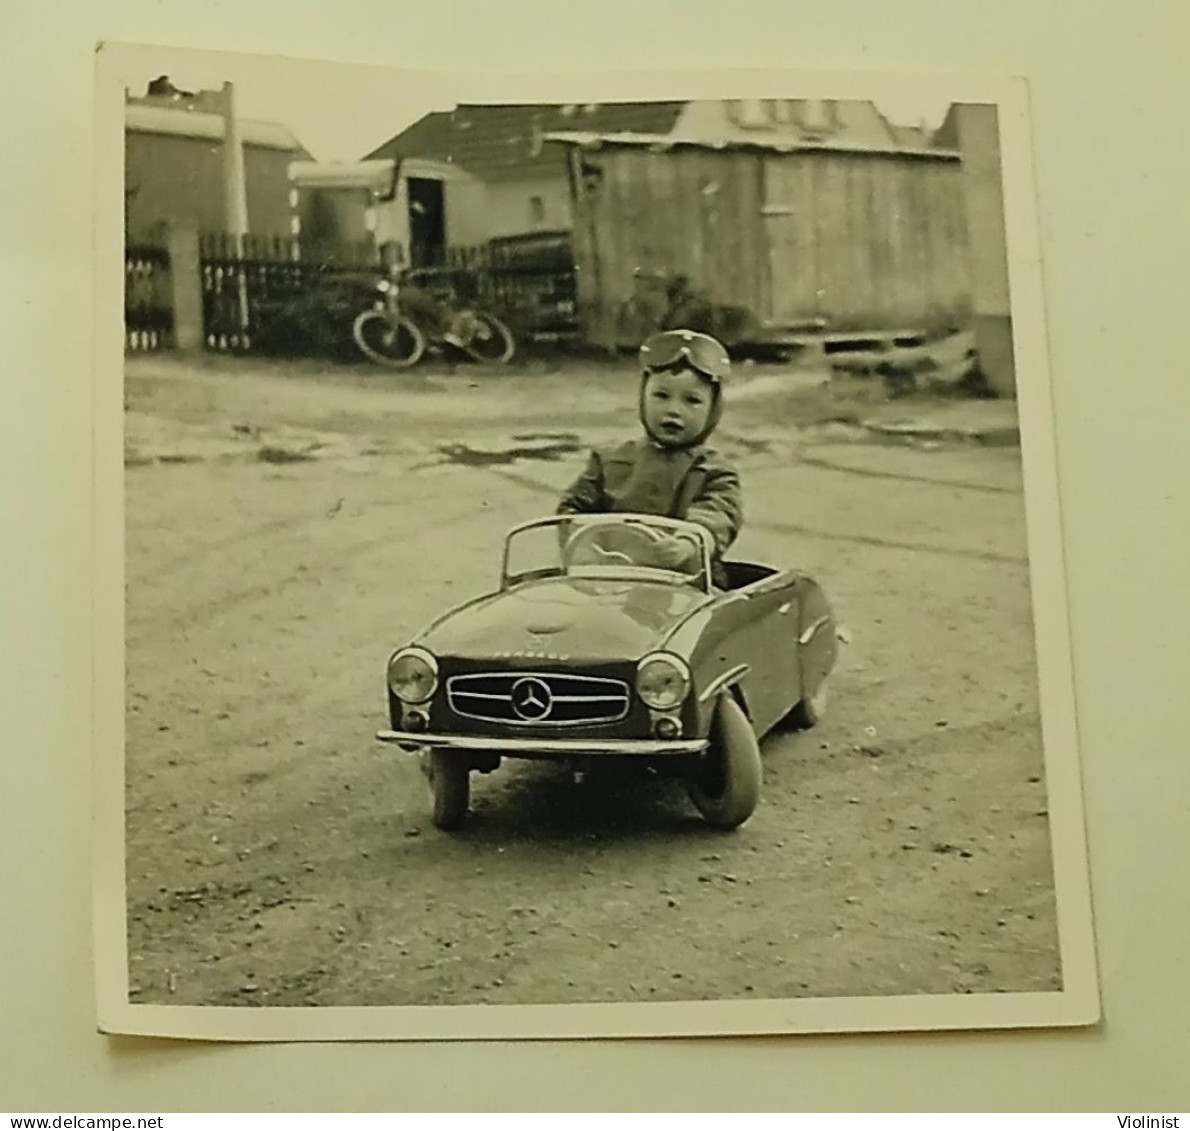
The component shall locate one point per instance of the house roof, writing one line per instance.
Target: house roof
(374, 175)
(505, 142)
(773, 144)
(200, 124)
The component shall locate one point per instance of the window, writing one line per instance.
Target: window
(782, 111)
(536, 210)
(817, 116)
(751, 113)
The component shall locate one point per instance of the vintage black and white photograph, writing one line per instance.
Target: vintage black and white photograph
(581, 552)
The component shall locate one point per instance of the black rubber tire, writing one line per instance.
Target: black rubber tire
(450, 786)
(725, 788)
(397, 344)
(491, 340)
(810, 711)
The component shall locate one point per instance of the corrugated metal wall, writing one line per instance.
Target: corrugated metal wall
(865, 241)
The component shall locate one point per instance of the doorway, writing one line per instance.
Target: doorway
(427, 222)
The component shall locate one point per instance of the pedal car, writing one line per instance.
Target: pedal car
(591, 649)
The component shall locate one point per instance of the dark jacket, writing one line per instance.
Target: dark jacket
(639, 476)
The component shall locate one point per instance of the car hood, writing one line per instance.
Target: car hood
(565, 619)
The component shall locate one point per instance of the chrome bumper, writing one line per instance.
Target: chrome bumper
(419, 741)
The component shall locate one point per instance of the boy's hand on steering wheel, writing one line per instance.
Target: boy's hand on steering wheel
(670, 552)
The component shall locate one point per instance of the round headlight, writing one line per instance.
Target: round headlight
(413, 675)
(662, 681)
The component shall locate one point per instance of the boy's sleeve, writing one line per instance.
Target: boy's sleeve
(585, 494)
(719, 506)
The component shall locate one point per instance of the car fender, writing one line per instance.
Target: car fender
(730, 682)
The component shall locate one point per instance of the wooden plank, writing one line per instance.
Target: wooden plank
(712, 272)
(904, 268)
(884, 261)
(851, 240)
(803, 265)
(945, 284)
(901, 279)
(614, 229)
(638, 185)
(894, 282)
(818, 193)
(755, 265)
(876, 245)
(716, 257)
(792, 250)
(932, 264)
(648, 245)
(647, 236)
(918, 181)
(859, 191)
(857, 238)
(957, 211)
(831, 292)
(944, 289)
(689, 237)
(779, 191)
(586, 259)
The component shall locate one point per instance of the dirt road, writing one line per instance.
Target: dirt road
(287, 529)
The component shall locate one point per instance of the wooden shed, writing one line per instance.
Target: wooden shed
(802, 239)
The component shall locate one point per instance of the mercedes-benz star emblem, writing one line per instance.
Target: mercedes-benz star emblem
(531, 699)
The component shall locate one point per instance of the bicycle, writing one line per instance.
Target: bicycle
(405, 321)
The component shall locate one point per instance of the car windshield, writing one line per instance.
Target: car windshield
(640, 547)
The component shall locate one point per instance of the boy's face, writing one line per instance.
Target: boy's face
(677, 406)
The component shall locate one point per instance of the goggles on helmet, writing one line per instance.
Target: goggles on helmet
(699, 351)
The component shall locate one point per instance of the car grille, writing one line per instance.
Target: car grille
(538, 698)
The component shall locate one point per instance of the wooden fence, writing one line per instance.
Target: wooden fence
(148, 310)
(246, 283)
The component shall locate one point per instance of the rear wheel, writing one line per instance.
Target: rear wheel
(450, 786)
(725, 786)
(490, 339)
(388, 339)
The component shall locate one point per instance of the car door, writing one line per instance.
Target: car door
(817, 641)
(755, 629)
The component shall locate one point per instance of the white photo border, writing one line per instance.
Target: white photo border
(1077, 1004)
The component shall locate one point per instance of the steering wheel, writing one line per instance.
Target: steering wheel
(609, 544)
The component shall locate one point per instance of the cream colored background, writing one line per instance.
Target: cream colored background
(1108, 95)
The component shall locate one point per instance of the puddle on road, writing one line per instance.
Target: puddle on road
(545, 446)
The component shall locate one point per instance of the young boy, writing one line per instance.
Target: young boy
(670, 471)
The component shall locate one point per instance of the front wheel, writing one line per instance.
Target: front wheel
(725, 786)
(450, 786)
(490, 339)
(388, 339)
